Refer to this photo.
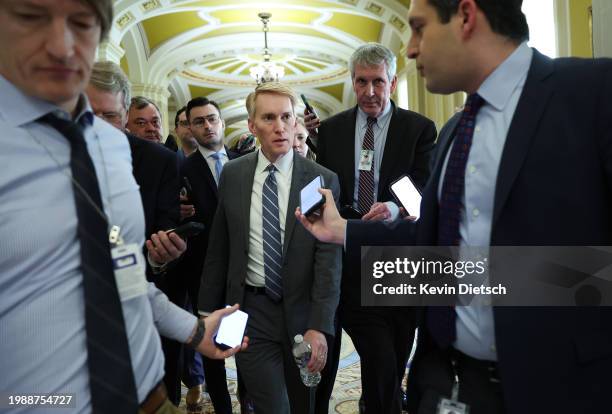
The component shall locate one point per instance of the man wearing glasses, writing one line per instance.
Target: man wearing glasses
(203, 169)
(144, 119)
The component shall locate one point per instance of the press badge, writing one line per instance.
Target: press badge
(129, 266)
(366, 160)
(452, 405)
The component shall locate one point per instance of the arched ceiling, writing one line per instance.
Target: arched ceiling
(207, 47)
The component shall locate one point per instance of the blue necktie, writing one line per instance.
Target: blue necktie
(441, 320)
(218, 164)
(272, 247)
(111, 377)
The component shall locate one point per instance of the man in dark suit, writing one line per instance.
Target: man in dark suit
(202, 169)
(285, 280)
(155, 169)
(401, 142)
(536, 151)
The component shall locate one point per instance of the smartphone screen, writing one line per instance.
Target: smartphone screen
(310, 198)
(231, 329)
(408, 195)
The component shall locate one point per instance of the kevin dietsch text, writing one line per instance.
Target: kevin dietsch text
(427, 289)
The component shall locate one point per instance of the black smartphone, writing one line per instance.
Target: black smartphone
(309, 107)
(350, 213)
(186, 190)
(246, 143)
(310, 198)
(231, 330)
(184, 231)
(407, 195)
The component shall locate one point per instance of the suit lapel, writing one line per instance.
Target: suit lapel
(391, 150)
(136, 152)
(529, 110)
(347, 145)
(298, 181)
(247, 175)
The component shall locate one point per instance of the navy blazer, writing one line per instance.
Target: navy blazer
(554, 187)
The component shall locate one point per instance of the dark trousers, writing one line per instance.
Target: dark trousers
(479, 384)
(193, 372)
(267, 367)
(216, 384)
(383, 338)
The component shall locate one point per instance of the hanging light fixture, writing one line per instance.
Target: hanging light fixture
(266, 71)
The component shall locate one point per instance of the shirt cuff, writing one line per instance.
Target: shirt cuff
(393, 210)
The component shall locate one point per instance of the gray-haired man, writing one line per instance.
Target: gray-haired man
(369, 146)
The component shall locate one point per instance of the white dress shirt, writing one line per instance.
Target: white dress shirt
(284, 165)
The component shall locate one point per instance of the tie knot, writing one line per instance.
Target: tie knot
(371, 121)
(216, 155)
(473, 103)
(271, 168)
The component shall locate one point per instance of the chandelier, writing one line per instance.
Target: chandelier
(266, 71)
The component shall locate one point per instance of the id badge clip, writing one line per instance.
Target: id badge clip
(452, 405)
(366, 160)
(129, 266)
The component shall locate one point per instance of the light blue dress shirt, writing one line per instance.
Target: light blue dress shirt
(42, 325)
(501, 92)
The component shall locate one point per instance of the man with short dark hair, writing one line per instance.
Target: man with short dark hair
(76, 313)
(501, 178)
(188, 143)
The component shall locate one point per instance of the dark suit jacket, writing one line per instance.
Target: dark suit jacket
(554, 187)
(408, 150)
(155, 169)
(204, 199)
(311, 269)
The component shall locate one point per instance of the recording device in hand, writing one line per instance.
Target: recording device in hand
(187, 230)
(407, 194)
(310, 110)
(310, 198)
(246, 143)
(231, 330)
(186, 190)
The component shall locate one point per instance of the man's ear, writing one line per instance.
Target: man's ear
(252, 127)
(466, 11)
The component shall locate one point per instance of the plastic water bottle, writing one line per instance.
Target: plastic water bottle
(301, 354)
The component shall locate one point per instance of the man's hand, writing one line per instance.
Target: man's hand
(318, 345)
(164, 247)
(187, 210)
(329, 226)
(248, 148)
(378, 211)
(312, 122)
(207, 347)
(405, 215)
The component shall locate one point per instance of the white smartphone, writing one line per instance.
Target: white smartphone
(310, 198)
(406, 193)
(231, 330)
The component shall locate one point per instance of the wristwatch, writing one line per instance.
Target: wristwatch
(198, 335)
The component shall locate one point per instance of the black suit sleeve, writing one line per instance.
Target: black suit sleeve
(167, 212)
(325, 292)
(214, 272)
(423, 154)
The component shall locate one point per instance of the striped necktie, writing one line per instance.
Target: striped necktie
(111, 377)
(272, 247)
(441, 320)
(365, 196)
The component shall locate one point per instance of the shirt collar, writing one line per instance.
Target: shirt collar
(497, 88)
(283, 164)
(362, 117)
(206, 152)
(17, 108)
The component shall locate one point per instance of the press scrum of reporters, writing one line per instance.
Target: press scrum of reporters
(133, 266)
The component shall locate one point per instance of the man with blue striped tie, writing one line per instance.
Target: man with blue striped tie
(287, 281)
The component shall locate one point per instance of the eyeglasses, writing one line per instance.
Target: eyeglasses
(184, 124)
(141, 123)
(199, 121)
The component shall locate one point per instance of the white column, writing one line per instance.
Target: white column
(109, 51)
(602, 19)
